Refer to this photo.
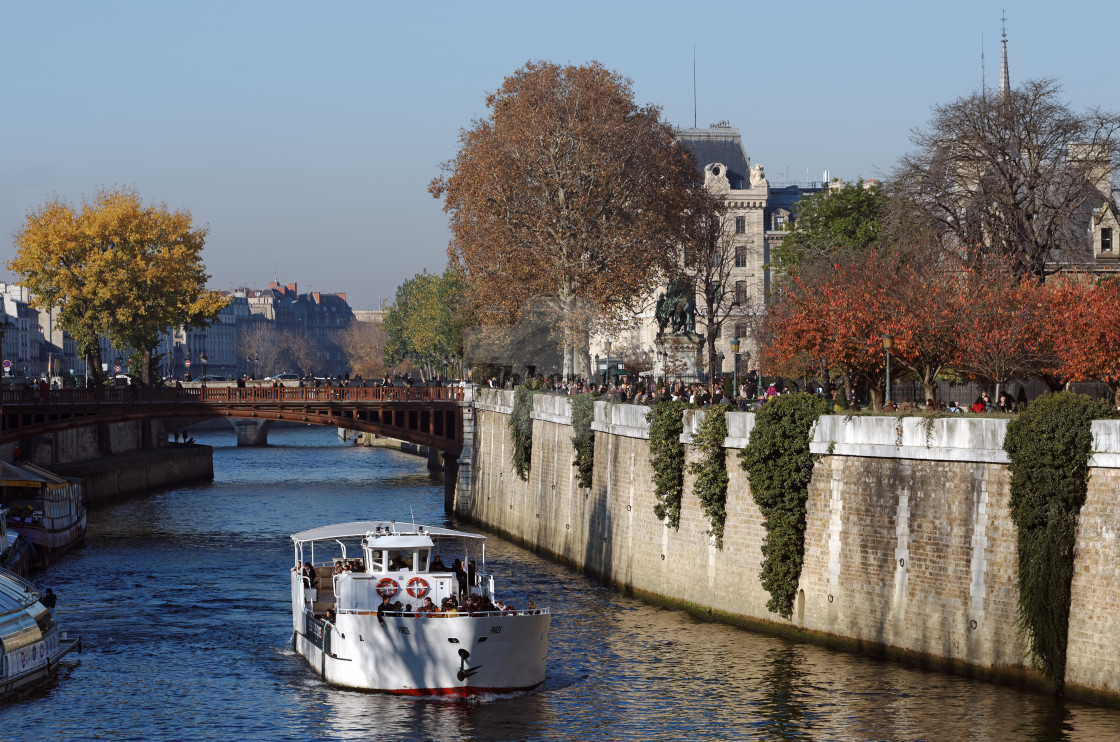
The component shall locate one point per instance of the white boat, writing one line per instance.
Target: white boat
(30, 642)
(492, 649)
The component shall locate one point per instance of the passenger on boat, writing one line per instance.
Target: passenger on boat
(49, 599)
(438, 565)
(472, 573)
(428, 607)
(385, 607)
(460, 576)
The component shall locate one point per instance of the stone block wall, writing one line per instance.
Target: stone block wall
(909, 548)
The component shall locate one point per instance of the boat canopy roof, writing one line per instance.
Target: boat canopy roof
(359, 528)
(29, 475)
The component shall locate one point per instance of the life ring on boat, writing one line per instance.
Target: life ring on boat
(417, 587)
(387, 587)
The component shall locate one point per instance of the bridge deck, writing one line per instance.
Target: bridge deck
(426, 415)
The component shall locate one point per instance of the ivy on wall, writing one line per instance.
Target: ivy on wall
(666, 456)
(779, 466)
(521, 430)
(710, 485)
(1048, 446)
(583, 414)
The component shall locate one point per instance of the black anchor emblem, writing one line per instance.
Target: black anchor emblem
(464, 671)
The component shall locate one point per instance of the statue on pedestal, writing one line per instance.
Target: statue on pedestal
(676, 308)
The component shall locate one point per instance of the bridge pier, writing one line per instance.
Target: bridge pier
(251, 432)
(458, 472)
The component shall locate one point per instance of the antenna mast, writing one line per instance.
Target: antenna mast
(694, 124)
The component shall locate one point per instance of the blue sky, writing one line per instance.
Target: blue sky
(305, 134)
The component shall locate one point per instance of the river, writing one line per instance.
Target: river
(181, 598)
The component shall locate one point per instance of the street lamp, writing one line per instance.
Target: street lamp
(735, 360)
(202, 357)
(607, 372)
(888, 341)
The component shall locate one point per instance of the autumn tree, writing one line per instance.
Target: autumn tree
(364, 346)
(1000, 336)
(261, 345)
(118, 268)
(1083, 328)
(570, 190)
(423, 324)
(1012, 175)
(831, 223)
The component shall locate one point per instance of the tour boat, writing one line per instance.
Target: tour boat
(30, 642)
(16, 551)
(49, 510)
(335, 602)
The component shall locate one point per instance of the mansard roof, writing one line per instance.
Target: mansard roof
(719, 143)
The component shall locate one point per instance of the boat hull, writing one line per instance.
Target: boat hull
(29, 667)
(438, 655)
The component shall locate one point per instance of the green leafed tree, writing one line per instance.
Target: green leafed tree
(833, 221)
(423, 325)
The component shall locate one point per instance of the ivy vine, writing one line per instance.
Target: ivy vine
(521, 430)
(583, 414)
(779, 466)
(710, 486)
(1048, 446)
(666, 456)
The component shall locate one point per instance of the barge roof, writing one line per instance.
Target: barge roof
(359, 528)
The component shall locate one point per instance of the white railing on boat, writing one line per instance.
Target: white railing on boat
(444, 614)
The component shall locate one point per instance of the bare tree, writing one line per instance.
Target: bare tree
(364, 346)
(712, 254)
(302, 349)
(260, 345)
(1013, 175)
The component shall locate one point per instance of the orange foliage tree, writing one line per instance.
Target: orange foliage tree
(568, 189)
(1083, 328)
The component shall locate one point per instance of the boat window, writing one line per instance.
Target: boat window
(422, 560)
(377, 560)
(400, 561)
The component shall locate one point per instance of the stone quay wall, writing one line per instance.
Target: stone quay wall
(909, 549)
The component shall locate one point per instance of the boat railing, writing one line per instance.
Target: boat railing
(457, 614)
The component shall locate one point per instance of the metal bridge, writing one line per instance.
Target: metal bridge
(429, 416)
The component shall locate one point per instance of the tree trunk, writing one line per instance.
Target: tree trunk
(146, 367)
(566, 300)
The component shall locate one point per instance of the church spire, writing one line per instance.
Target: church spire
(1004, 78)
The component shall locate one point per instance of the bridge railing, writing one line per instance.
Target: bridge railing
(227, 395)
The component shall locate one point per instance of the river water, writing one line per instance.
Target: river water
(181, 599)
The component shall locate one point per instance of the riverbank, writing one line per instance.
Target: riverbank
(909, 552)
(110, 477)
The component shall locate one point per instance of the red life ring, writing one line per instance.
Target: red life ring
(417, 587)
(387, 587)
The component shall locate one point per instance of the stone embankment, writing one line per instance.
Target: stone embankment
(910, 550)
(118, 460)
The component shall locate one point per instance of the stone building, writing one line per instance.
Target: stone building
(759, 215)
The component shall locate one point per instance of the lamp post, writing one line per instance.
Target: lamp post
(735, 368)
(202, 357)
(888, 341)
(607, 372)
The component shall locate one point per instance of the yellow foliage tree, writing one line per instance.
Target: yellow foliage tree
(117, 268)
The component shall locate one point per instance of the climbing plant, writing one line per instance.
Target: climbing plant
(710, 486)
(583, 413)
(521, 428)
(779, 466)
(1048, 445)
(666, 456)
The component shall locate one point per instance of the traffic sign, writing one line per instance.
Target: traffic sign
(187, 363)
(7, 363)
(116, 369)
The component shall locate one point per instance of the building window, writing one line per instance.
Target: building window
(740, 225)
(1106, 239)
(741, 256)
(740, 330)
(741, 293)
(779, 222)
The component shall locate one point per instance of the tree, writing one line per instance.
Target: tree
(1010, 175)
(570, 190)
(1000, 334)
(1083, 328)
(364, 346)
(832, 222)
(116, 268)
(422, 325)
(302, 350)
(709, 262)
(260, 345)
